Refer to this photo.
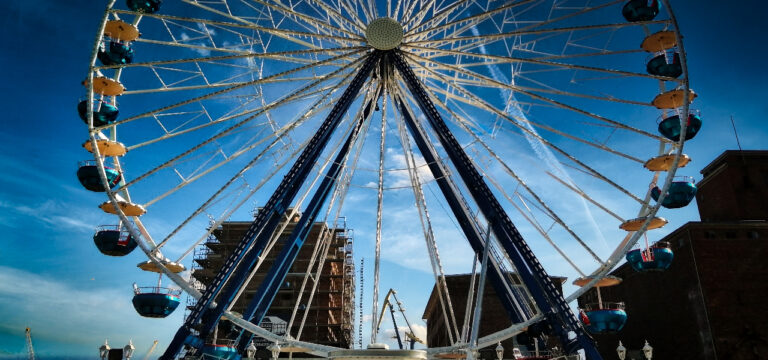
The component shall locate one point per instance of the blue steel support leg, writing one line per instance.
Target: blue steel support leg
(533, 275)
(457, 204)
(269, 287)
(242, 258)
(394, 326)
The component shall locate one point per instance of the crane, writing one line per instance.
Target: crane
(150, 351)
(30, 349)
(408, 334)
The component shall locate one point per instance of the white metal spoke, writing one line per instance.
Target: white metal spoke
(276, 31)
(227, 117)
(487, 39)
(320, 25)
(585, 196)
(337, 16)
(277, 55)
(439, 90)
(530, 94)
(419, 16)
(496, 59)
(547, 209)
(226, 215)
(430, 27)
(426, 224)
(379, 209)
(232, 88)
(484, 105)
(223, 133)
(440, 16)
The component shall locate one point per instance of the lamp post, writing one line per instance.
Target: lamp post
(251, 351)
(128, 350)
(648, 350)
(622, 351)
(499, 351)
(104, 350)
(275, 350)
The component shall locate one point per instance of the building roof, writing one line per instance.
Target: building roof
(722, 159)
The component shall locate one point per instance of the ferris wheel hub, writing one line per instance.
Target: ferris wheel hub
(384, 33)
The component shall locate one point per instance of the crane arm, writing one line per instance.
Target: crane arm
(30, 349)
(151, 350)
(384, 307)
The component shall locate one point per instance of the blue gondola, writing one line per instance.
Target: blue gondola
(658, 258)
(641, 10)
(155, 302)
(144, 6)
(221, 351)
(670, 127)
(115, 53)
(88, 174)
(113, 241)
(680, 193)
(103, 112)
(660, 66)
(609, 319)
(606, 321)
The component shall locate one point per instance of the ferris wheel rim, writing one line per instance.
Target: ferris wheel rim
(609, 264)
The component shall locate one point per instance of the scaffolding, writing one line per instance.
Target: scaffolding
(329, 319)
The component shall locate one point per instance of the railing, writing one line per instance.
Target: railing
(544, 354)
(669, 55)
(124, 234)
(688, 179)
(86, 163)
(201, 253)
(605, 306)
(213, 239)
(567, 357)
(677, 112)
(155, 290)
(225, 342)
(275, 328)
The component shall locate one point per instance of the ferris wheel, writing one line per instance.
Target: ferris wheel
(527, 128)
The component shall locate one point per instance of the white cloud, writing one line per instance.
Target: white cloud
(60, 313)
(51, 213)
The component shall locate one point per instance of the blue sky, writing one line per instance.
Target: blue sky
(52, 278)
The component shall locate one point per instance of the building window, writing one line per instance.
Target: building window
(709, 234)
(753, 235)
(730, 235)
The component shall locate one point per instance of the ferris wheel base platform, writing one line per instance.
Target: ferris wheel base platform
(359, 354)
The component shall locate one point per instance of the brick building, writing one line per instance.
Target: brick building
(493, 317)
(330, 317)
(711, 303)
